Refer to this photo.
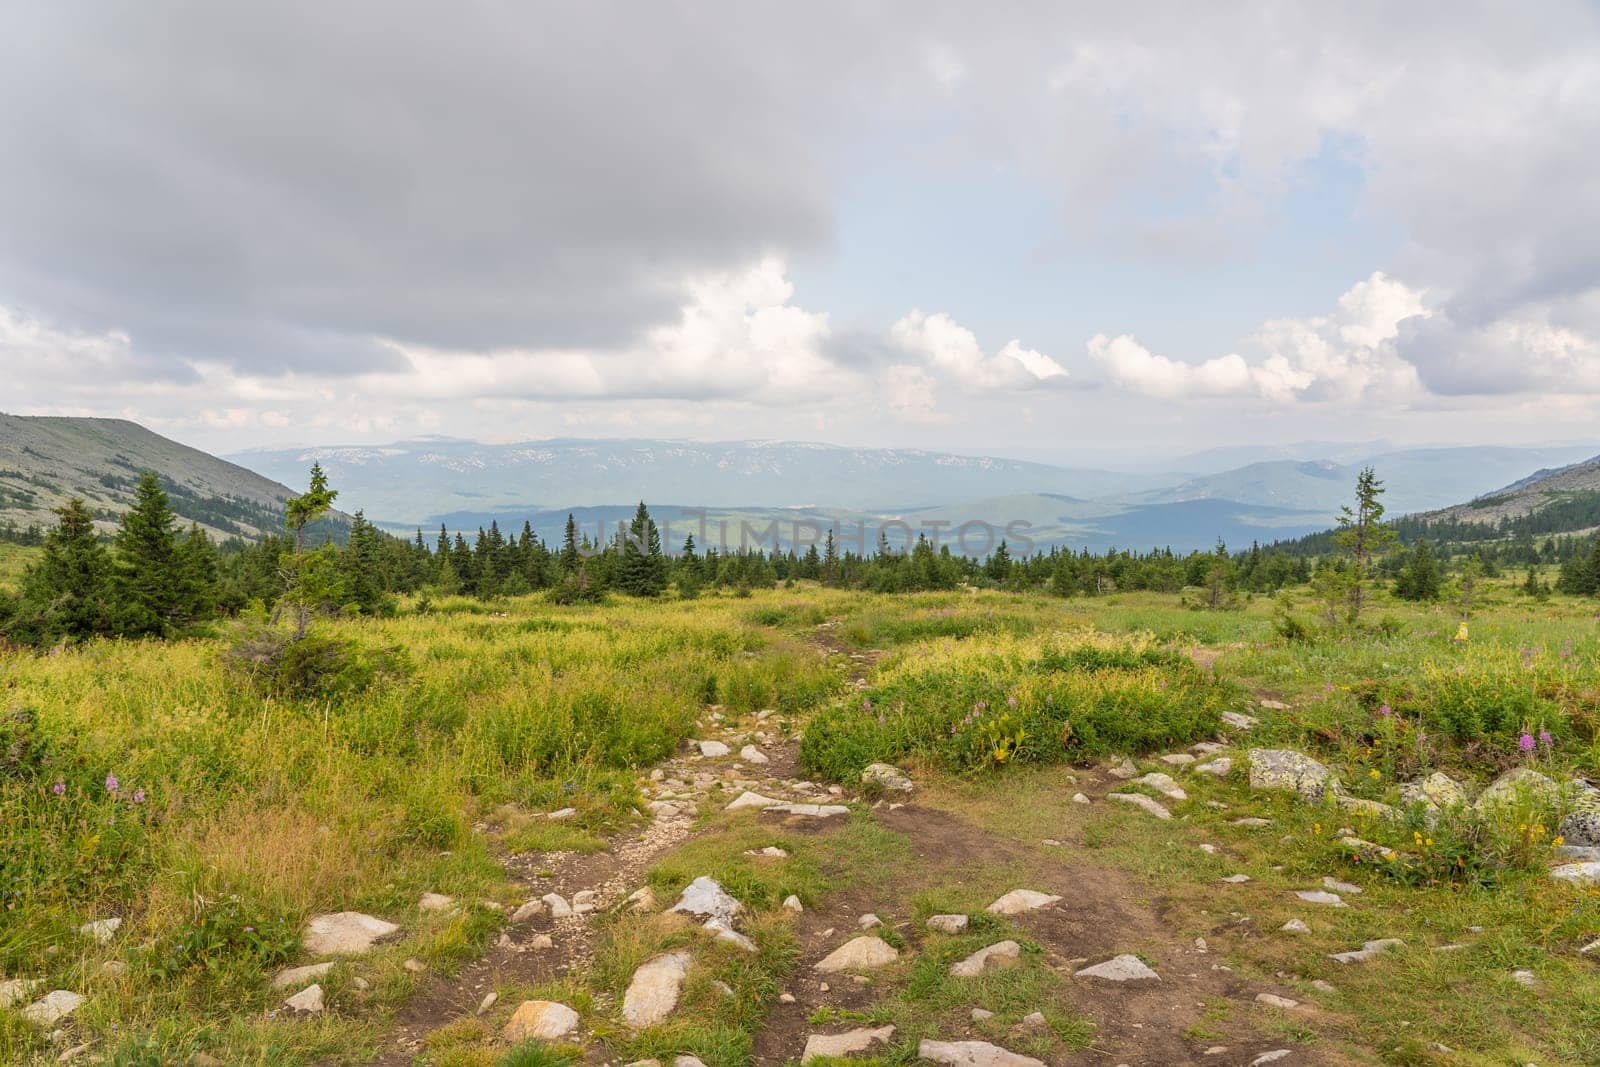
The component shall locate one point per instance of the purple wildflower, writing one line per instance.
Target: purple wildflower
(138, 796)
(1011, 702)
(1385, 711)
(59, 789)
(866, 705)
(1525, 742)
(112, 785)
(1545, 739)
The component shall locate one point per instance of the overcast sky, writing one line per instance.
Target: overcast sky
(1019, 228)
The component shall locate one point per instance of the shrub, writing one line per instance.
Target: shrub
(279, 664)
(225, 936)
(1019, 700)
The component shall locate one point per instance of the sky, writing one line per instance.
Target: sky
(1028, 229)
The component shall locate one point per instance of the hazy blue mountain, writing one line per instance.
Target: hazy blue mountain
(412, 481)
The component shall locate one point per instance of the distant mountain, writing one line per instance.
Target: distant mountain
(1558, 500)
(46, 460)
(1416, 480)
(420, 481)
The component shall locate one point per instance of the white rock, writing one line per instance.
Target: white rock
(887, 776)
(687, 1061)
(1274, 705)
(1079, 798)
(1578, 873)
(1238, 721)
(1178, 759)
(541, 1020)
(1124, 968)
(1208, 848)
(1367, 950)
(559, 908)
(344, 933)
(792, 903)
(752, 754)
(1295, 926)
(1330, 882)
(712, 749)
(865, 953)
(1252, 821)
(814, 811)
(1163, 784)
(642, 899)
(868, 921)
(1123, 770)
(414, 965)
(15, 990)
(973, 1054)
(102, 930)
(1142, 802)
(1021, 900)
(299, 976)
(980, 1014)
(53, 1007)
(584, 901)
(1269, 1057)
(845, 1044)
(1237, 879)
(1274, 1001)
(1291, 771)
(1318, 896)
(731, 936)
(308, 1000)
(948, 924)
(1221, 767)
(527, 911)
(564, 813)
(1002, 954)
(706, 898)
(490, 999)
(654, 991)
(771, 852)
(1526, 978)
(1207, 748)
(436, 902)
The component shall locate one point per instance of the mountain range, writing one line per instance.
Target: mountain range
(746, 487)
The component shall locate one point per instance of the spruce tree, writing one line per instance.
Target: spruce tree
(68, 592)
(643, 569)
(147, 575)
(1363, 536)
(570, 556)
(195, 565)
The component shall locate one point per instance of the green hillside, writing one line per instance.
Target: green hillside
(46, 460)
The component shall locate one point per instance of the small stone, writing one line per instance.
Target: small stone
(489, 1000)
(1272, 1000)
(308, 1001)
(1021, 900)
(792, 903)
(642, 899)
(1178, 759)
(951, 924)
(887, 776)
(1124, 968)
(865, 953)
(14, 991)
(1237, 879)
(1295, 926)
(868, 922)
(299, 976)
(584, 901)
(1002, 954)
(786, 998)
(845, 1044)
(706, 898)
(559, 908)
(541, 1020)
(1239, 721)
(564, 813)
(1269, 1057)
(1033, 1019)
(1367, 950)
(1274, 705)
(436, 902)
(1123, 770)
(1144, 803)
(102, 930)
(1079, 798)
(752, 754)
(415, 966)
(1220, 767)
(1252, 821)
(1578, 873)
(1322, 987)
(1318, 896)
(345, 933)
(539, 942)
(980, 1014)
(1526, 978)
(1208, 848)
(712, 749)
(1163, 784)
(973, 1054)
(53, 1007)
(526, 912)
(653, 993)
(1288, 770)
(1330, 882)
(113, 968)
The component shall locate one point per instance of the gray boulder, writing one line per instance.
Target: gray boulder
(1290, 771)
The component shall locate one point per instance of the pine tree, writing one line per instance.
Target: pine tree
(570, 557)
(1363, 535)
(68, 592)
(643, 567)
(147, 546)
(830, 560)
(1419, 579)
(307, 577)
(195, 565)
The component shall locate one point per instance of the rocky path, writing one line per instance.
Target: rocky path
(1149, 990)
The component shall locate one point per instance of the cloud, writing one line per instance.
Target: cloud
(953, 350)
(1502, 357)
(1343, 356)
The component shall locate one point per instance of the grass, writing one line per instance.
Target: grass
(213, 821)
(14, 559)
(233, 810)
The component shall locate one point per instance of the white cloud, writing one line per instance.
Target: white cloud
(1342, 356)
(909, 393)
(953, 350)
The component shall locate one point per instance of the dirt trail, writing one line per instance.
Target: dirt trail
(1103, 913)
